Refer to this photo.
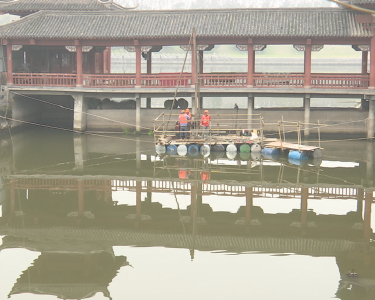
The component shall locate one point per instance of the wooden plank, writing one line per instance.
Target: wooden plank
(290, 146)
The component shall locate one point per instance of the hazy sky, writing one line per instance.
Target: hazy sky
(189, 4)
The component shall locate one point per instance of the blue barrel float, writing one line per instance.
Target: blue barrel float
(297, 155)
(182, 150)
(270, 153)
(160, 149)
(172, 150)
(193, 150)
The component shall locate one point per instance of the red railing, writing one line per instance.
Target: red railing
(44, 79)
(347, 81)
(223, 80)
(108, 80)
(342, 81)
(279, 80)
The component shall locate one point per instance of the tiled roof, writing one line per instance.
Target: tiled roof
(362, 1)
(37, 5)
(304, 23)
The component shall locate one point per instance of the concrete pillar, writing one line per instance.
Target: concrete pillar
(306, 105)
(364, 62)
(372, 64)
(250, 63)
(9, 64)
(80, 110)
(307, 64)
(80, 151)
(250, 110)
(369, 163)
(79, 65)
(137, 114)
(371, 116)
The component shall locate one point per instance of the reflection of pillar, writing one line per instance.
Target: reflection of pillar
(306, 105)
(250, 110)
(12, 187)
(149, 72)
(81, 198)
(249, 204)
(369, 162)
(360, 196)
(193, 204)
(367, 215)
(138, 188)
(304, 198)
(80, 151)
(138, 155)
(149, 193)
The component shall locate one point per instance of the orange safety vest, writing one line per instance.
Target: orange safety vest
(189, 114)
(205, 121)
(183, 119)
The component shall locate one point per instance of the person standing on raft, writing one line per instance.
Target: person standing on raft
(187, 111)
(183, 118)
(205, 122)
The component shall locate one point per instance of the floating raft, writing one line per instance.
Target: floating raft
(296, 151)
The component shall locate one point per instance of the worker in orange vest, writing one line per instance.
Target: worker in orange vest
(187, 111)
(205, 122)
(183, 118)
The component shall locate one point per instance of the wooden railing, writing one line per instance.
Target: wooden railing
(44, 79)
(319, 81)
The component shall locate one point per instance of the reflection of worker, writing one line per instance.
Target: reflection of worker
(184, 174)
(183, 119)
(205, 175)
(205, 122)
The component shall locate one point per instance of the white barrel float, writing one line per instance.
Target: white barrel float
(182, 150)
(245, 148)
(256, 156)
(231, 148)
(172, 149)
(297, 155)
(255, 148)
(193, 150)
(217, 148)
(317, 153)
(205, 150)
(231, 154)
(160, 149)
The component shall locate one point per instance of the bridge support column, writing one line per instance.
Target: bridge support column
(80, 110)
(306, 105)
(137, 114)
(250, 110)
(371, 116)
(80, 151)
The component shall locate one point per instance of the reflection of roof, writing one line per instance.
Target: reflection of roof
(73, 291)
(271, 23)
(302, 245)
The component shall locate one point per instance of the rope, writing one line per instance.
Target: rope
(72, 109)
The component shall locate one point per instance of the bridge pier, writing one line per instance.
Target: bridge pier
(371, 116)
(307, 108)
(80, 112)
(369, 163)
(80, 151)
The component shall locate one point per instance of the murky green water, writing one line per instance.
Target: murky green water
(97, 217)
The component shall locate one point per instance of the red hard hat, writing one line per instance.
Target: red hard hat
(187, 110)
(182, 111)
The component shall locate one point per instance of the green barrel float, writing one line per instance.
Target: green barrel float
(245, 148)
